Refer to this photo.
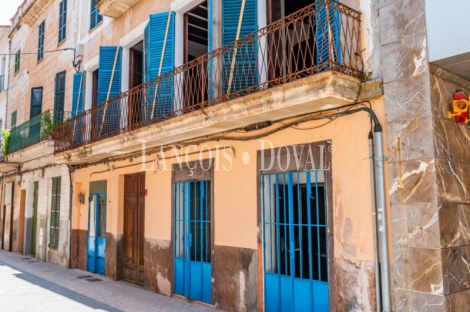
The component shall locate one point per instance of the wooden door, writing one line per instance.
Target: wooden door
(134, 220)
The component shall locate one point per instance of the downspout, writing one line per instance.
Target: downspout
(374, 222)
(382, 217)
(70, 216)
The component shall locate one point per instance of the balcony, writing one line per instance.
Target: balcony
(114, 8)
(32, 132)
(291, 67)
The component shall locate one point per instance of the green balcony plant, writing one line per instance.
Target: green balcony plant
(5, 142)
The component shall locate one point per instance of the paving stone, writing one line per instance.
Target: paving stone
(40, 286)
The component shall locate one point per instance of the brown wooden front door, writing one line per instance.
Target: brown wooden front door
(134, 217)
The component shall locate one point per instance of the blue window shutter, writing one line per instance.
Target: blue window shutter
(154, 41)
(78, 93)
(105, 71)
(245, 73)
(322, 37)
(107, 63)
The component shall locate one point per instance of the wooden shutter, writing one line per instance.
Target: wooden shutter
(245, 71)
(59, 98)
(158, 61)
(109, 86)
(78, 93)
(54, 228)
(107, 65)
(13, 119)
(323, 30)
(62, 20)
(41, 41)
(95, 18)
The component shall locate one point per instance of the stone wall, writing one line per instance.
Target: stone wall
(428, 161)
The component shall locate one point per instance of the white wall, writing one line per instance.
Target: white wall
(448, 27)
(4, 71)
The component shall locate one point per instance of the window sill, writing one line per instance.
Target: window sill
(97, 26)
(61, 42)
(39, 61)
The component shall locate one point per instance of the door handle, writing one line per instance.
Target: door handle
(292, 250)
(190, 240)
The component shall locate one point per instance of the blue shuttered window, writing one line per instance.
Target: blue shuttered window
(160, 26)
(244, 72)
(62, 20)
(109, 86)
(78, 93)
(325, 51)
(95, 17)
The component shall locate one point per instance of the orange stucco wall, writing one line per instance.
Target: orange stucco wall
(235, 190)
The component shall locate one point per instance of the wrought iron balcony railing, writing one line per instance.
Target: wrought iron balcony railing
(321, 37)
(35, 130)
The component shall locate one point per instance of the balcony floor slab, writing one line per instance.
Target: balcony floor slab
(323, 91)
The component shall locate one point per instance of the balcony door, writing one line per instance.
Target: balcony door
(196, 44)
(34, 130)
(59, 98)
(135, 100)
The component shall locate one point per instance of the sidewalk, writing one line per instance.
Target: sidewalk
(27, 284)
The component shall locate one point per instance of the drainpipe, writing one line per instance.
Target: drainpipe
(382, 217)
(70, 216)
(374, 222)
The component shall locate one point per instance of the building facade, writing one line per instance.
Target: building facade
(248, 154)
(186, 216)
(4, 59)
(36, 191)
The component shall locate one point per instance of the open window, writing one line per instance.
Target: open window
(196, 44)
(302, 46)
(136, 78)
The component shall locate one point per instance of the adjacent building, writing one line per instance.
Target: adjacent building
(36, 190)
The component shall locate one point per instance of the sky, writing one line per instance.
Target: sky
(7, 10)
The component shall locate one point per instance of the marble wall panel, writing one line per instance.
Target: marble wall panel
(401, 20)
(459, 301)
(412, 181)
(454, 225)
(410, 102)
(451, 140)
(409, 139)
(415, 301)
(455, 269)
(453, 181)
(415, 225)
(405, 58)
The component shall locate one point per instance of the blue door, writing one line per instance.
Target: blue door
(96, 251)
(295, 241)
(193, 240)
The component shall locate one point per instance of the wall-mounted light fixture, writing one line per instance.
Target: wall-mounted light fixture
(81, 198)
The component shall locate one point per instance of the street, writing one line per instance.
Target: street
(27, 284)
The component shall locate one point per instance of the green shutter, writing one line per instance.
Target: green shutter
(62, 20)
(54, 227)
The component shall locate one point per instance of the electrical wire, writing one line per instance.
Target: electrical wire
(35, 53)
